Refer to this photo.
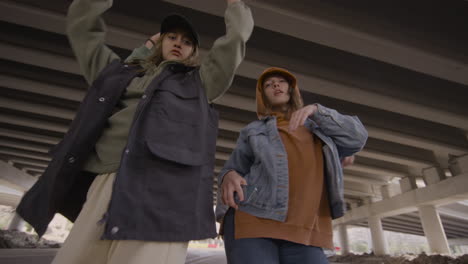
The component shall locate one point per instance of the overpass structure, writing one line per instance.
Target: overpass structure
(401, 66)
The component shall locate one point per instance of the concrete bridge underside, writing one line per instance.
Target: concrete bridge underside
(401, 67)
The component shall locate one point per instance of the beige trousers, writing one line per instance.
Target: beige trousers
(83, 244)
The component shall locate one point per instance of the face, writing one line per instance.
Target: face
(177, 46)
(276, 89)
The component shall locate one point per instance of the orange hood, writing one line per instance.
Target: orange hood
(262, 110)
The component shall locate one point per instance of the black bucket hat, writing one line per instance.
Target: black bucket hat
(176, 21)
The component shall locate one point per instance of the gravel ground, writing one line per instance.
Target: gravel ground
(16, 239)
(404, 259)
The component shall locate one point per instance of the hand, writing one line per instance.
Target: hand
(154, 38)
(232, 183)
(232, 1)
(299, 117)
(347, 161)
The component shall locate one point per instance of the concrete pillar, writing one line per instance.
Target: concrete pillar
(433, 175)
(344, 240)
(408, 184)
(434, 230)
(379, 243)
(16, 223)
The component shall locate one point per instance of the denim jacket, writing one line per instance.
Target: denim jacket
(260, 157)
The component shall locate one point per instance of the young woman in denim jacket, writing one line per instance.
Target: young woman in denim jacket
(284, 180)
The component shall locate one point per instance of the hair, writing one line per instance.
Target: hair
(295, 101)
(157, 57)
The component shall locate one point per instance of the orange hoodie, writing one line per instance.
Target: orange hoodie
(308, 221)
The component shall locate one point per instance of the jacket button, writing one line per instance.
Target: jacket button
(144, 96)
(102, 99)
(126, 66)
(127, 151)
(114, 230)
(71, 159)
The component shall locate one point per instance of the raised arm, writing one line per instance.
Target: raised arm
(144, 51)
(346, 131)
(86, 31)
(219, 66)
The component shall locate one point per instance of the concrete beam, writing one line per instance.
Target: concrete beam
(394, 158)
(23, 146)
(433, 175)
(310, 27)
(229, 125)
(414, 141)
(458, 241)
(363, 188)
(41, 109)
(229, 144)
(367, 180)
(34, 123)
(445, 192)
(8, 199)
(19, 178)
(302, 26)
(239, 102)
(250, 69)
(31, 162)
(37, 87)
(222, 156)
(354, 193)
(408, 184)
(390, 174)
(51, 21)
(454, 211)
(390, 190)
(24, 154)
(28, 136)
(38, 58)
(34, 170)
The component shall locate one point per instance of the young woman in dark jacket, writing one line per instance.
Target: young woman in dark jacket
(140, 151)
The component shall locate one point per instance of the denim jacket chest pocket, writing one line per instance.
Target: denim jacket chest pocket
(258, 141)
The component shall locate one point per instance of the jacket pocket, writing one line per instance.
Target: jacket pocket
(172, 153)
(181, 89)
(258, 140)
(250, 194)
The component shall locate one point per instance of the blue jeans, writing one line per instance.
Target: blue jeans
(267, 250)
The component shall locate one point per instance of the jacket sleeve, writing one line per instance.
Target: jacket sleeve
(86, 31)
(139, 53)
(218, 67)
(241, 158)
(347, 132)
